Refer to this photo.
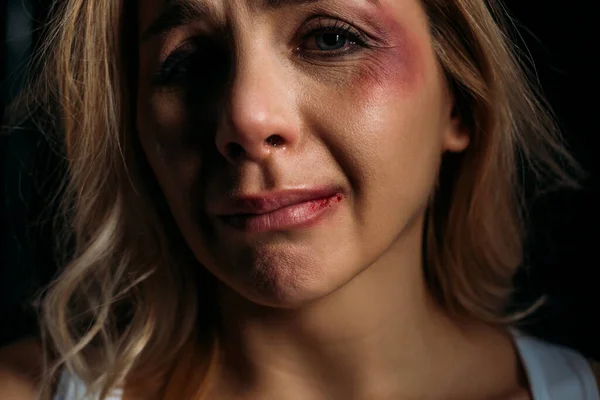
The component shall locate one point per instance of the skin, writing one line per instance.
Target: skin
(339, 309)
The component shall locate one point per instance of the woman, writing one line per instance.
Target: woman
(293, 199)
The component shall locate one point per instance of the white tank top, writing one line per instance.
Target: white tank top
(554, 373)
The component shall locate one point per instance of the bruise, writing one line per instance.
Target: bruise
(396, 67)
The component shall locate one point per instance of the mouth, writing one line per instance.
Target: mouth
(280, 211)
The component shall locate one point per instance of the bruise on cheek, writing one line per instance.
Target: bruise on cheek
(392, 68)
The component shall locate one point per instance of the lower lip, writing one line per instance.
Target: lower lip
(299, 215)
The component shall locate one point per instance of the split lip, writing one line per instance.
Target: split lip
(258, 204)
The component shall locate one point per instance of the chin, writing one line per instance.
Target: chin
(282, 297)
(284, 279)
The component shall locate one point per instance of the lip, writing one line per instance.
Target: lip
(280, 210)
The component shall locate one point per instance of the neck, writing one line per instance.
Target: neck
(379, 336)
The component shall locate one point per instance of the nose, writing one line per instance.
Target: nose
(260, 117)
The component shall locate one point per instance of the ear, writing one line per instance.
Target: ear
(456, 137)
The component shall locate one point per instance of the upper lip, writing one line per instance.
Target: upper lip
(263, 203)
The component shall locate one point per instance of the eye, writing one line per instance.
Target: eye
(176, 67)
(331, 38)
(199, 63)
(330, 41)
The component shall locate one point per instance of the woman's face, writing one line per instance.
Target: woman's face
(296, 142)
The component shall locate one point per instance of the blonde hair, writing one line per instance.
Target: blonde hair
(128, 303)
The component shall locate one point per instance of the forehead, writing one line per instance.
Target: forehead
(149, 10)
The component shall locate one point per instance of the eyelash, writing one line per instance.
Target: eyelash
(355, 38)
(181, 54)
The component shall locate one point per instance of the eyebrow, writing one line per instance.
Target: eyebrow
(178, 13)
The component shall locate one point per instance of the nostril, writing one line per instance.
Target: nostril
(274, 140)
(235, 151)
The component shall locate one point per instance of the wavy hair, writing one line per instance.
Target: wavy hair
(131, 302)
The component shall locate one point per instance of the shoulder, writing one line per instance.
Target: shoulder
(14, 385)
(20, 370)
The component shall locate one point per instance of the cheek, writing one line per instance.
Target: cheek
(176, 164)
(388, 72)
(385, 127)
(161, 117)
(178, 171)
